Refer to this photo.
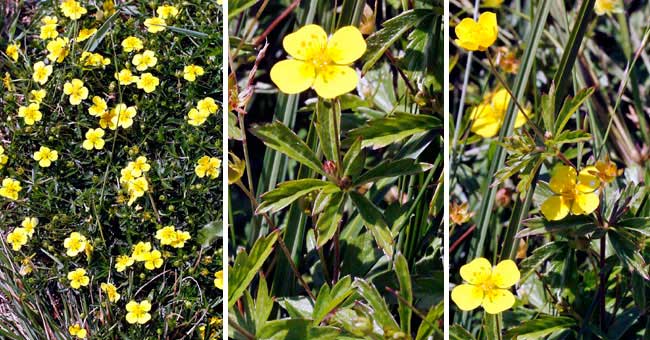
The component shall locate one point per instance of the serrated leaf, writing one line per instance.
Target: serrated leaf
(287, 192)
(572, 136)
(626, 248)
(354, 159)
(374, 220)
(381, 313)
(246, 266)
(540, 327)
(326, 128)
(381, 132)
(280, 138)
(330, 217)
(390, 168)
(294, 329)
(575, 225)
(328, 300)
(457, 332)
(263, 304)
(570, 106)
(539, 256)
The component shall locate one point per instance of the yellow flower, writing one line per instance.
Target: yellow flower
(75, 244)
(76, 90)
(109, 7)
(603, 7)
(94, 139)
(37, 96)
(607, 171)
(94, 60)
(191, 71)
(492, 3)
(78, 278)
(125, 77)
(196, 117)
(17, 238)
(3, 158)
(148, 82)
(319, 63)
(459, 213)
(12, 51)
(29, 224)
(98, 108)
(122, 116)
(138, 312)
(208, 166)
(139, 166)
(167, 11)
(58, 49)
(7, 82)
(486, 286)
(130, 44)
(108, 120)
(142, 61)
(218, 279)
(155, 24)
(86, 33)
(477, 36)
(122, 262)
(140, 250)
(78, 331)
(153, 260)
(45, 156)
(111, 292)
(30, 113)
(573, 192)
(207, 105)
(48, 30)
(166, 235)
(181, 238)
(136, 189)
(488, 117)
(41, 72)
(72, 9)
(10, 188)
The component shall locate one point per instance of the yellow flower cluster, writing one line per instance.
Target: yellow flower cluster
(72, 9)
(77, 331)
(133, 178)
(169, 236)
(199, 114)
(89, 59)
(21, 235)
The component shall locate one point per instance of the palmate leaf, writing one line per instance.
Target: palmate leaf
(247, 265)
(626, 248)
(328, 300)
(540, 327)
(287, 192)
(390, 168)
(557, 249)
(571, 105)
(294, 329)
(374, 220)
(381, 132)
(573, 225)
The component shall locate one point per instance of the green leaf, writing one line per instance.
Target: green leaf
(327, 130)
(380, 41)
(233, 130)
(296, 329)
(280, 138)
(623, 322)
(405, 291)
(381, 313)
(571, 105)
(548, 109)
(457, 332)
(99, 36)
(374, 220)
(328, 300)
(329, 219)
(390, 168)
(189, 33)
(381, 132)
(287, 192)
(263, 304)
(354, 159)
(540, 327)
(626, 248)
(426, 331)
(237, 6)
(209, 233)
(246, 266)
(572, 136)
(573, 225)
(541, 255)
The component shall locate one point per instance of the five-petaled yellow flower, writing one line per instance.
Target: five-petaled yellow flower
(218, 279)
(142, 61)
(30, 113)
(48, 30)
(155, 24)
(148, 82)
(477, 35)
(319, 63)
(37, 96)
(208, 166)
(122, 115)
(607, 171)
(488, 117)
(111, 292)
(75, 244)
(58, 49)
(78, 278)
(77, 331)
(42, 72)
(486, 286)
(140, 251)
(167, 11)
(131, 44)
(10, 188)
(153, 259)
(45, 156)
(72, 9)
(125, 77)
(29, 223)
(138, 312)
(207, 105)
(94, 139)
(12, 51)
(573, 192)
(98, 108)
(76, 90)
(196, 117)
(122, 262)
(190, 72)
(17, 238)
(136, 189)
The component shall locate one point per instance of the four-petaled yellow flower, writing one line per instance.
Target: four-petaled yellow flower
(37, 96)
(77, 331)
(111, 292)
(207, 105)
(58, 49)
(42, 72)
(142, 61)
(486, 286)
(130, 44)
(488, 117)
(190, 72)
(138, 312)
(10, 188)
(98, 108)
(167, 11)
(125, 77)
(148, 82)
(218, 279)
(17, 238)
(573, 192)
(48, 30)
(94, 139)
(153, 259)
(602, 7)
(75, 244)
(45, 156)
(318, 62)
(477, 35)
(30, 113)
(78, 278)
(12, 51)
(122, 262)
(155, 25)
(76, 90)
(29, 224)
(72, 9)
(208, 166)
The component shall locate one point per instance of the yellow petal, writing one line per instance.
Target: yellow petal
(476, 272)
(333, 81)
(500, 100)
(465, 31)
(505, 274)
(293, 76)
(498, 300)
(467, 297)
(521, 119)
(555, 208)
(131, 318)
(588, 180)
(486, 122)
(306, 41)
(585, 203)
(346, 45)
(489, 30)
(563, 179)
